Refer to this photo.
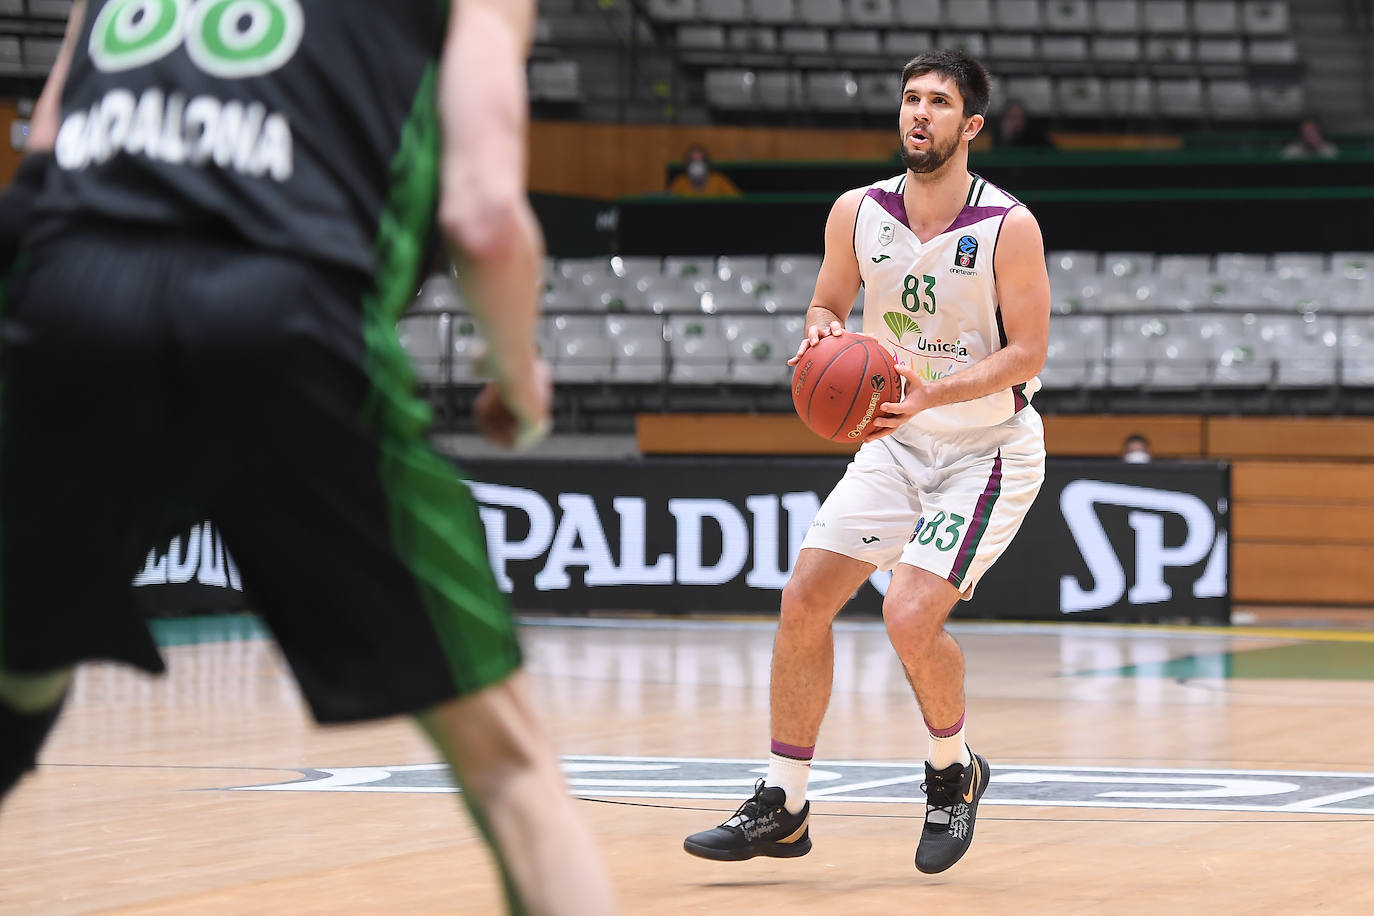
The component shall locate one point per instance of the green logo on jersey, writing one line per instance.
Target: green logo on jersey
(900, 324)
(225, 38)
(880, 258)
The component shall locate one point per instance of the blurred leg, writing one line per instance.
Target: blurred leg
(513, 787)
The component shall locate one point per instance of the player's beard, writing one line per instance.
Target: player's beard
(923, 162)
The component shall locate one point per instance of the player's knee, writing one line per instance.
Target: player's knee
(804, 606)
(909, 623)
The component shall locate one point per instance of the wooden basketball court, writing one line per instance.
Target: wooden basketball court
(1227, 771)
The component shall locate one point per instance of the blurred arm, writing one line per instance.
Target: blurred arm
(47, 110)
(483, 209)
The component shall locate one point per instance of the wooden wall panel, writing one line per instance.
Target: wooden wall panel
(611, 160)
(1302, 574)
(1101, 436)
(1307, 482)
(731, 434)
(1290, 437)
(1302, 523)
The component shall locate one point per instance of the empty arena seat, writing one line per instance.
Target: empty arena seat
(821, 12)
(1357, 265)
(804, 41)
(778, 88)
(1305, 348)
(1280, 100)
(969, 14)
(752, 38)
(1264, 17)
(439, 293)
(1220, 51)
(878, 13)
(773, 12)
(1076, 351)
(636, 348)
(1068, 16)
(581, 349)
(1357, 350)
(673, 10)
(831, 90)
(969, 42)
(424, 339)
(1115, 48)
(555, 81)
(1130, 95)
(757, 348)
(1273, 51)
(1037, 92)
(1180, 97)
(701, 37)
(1216, 17)
(1298, 264)
(905, 43)
(1165, 16)
(730, 89)
(696, 349)
(1012, 46)
(1014, 15)
(878, 92)
(1117, 15)
(926, 14)
(1168, 49)
(722, 10)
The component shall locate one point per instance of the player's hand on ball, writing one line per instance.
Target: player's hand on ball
(813, 337)
(893, 414)
(517, 415)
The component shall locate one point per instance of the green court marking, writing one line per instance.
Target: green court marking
(190, 631)
(1319, 661)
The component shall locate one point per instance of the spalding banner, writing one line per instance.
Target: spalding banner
(192, 574)
(1104, 541)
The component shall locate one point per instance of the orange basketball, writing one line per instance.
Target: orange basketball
(839, 383)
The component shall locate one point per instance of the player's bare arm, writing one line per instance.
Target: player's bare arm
(47, 110)
(483, 208)
(1023, 295)
(838, 282)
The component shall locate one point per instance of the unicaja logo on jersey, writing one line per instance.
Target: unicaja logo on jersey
(967, 253)
(953, 349)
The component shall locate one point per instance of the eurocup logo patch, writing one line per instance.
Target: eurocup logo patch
(967, 252)
(885, 231)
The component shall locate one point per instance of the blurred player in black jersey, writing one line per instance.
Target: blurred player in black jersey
(225, 208)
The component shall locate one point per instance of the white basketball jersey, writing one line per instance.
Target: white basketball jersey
(934, 304)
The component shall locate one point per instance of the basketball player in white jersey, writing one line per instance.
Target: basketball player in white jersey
(955, 286)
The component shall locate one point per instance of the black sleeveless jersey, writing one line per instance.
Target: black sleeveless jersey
(306, 126)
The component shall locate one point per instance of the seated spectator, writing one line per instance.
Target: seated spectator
(1017, 128)
(1309, 143)
(698, 179)
(1136, 449)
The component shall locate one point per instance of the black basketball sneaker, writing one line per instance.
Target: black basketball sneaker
(952, 796)
(761, 827)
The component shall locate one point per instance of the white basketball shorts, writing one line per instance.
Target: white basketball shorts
(948, 503)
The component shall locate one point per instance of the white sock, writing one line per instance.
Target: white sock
(790, 775)
(947, 746)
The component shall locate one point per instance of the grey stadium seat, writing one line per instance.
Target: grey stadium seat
(821, 12)
(696, 349)
(1216, 17)
(1018, 15)
(925, 14)
(1180, 97)
(636, 348)
(857, 41)
(1168, 17)
(1068, 16)
(804, 41)
(722, 10)
(1264, 17)
(880, 13)
(969, 14)
(1118, 16)
(673, 10)
(832, 90)
(730, 89)
(773, 12)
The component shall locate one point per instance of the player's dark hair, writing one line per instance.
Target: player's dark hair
(968, 74)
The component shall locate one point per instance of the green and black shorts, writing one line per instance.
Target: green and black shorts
(150, 380)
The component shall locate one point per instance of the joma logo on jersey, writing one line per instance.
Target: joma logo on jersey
(966, 255)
